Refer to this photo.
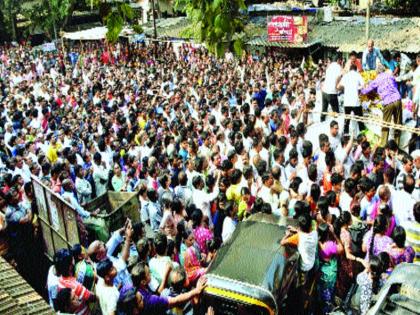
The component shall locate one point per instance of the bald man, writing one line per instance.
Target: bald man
(370, 55)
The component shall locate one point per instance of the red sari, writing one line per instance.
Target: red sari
(192, 265)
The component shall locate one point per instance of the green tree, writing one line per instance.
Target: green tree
(9, 9)
(411, 7)
(114, 14)
(217, 23)
(50, 15)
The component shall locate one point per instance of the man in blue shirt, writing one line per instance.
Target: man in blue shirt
(259, 95)
(370, 55)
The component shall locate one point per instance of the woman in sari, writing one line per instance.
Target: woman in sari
(398, 251)
(192, 260)
(202, 233)
(375, 241)
(330, 248)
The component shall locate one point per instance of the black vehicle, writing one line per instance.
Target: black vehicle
(401, 293)
(252, 274)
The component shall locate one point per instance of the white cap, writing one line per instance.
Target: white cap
(415, 154)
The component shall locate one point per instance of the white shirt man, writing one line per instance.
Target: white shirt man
(352, 82)
(403, 202)
(228, 228)
(202, 200)
(332, 75)
(100, 176)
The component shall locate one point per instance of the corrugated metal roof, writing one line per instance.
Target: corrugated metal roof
(393, 34)
(17, 296)
(266, 43)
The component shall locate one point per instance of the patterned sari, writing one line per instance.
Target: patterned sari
(192, 265)
(345, 272)
(328, 276)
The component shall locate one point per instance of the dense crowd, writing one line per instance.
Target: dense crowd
(206, 143)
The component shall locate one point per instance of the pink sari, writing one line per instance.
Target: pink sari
(391, 221)
(192, 265)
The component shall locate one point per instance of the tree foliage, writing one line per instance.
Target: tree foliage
(114, 14)
(9, 10)
(406, 6)
(49, 15)
(216, 23)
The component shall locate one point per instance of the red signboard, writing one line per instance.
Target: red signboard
(285, 28)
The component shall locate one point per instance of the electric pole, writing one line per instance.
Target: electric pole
(367, 19)
(154, 20)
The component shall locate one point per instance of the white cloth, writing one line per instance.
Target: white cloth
(352, 83)
(307, 249)
(345, 201)
(202, 200)
(331, 77)
(403, 206)
(107, 296)
(228, 228)
(268, 197)
(84, 190)
(100, 176)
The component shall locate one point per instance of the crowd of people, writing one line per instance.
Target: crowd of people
(206, 143)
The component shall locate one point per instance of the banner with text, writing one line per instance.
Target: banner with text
(285, 28)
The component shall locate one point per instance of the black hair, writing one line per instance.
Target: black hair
(161, 244)
(104, 267)
(409, 183)
(236, 176)
(197, 217)
(76, 251)
(138, 231)
(305, 223)
(349, 186)
(295, 183)
(398, 235)
(333, 123)
(315, 192)
(376, 269)
(331, 197)
(138, 273)
(313, 172)
(229, 207)
(336, 179)
(143, 248)
(323, 232)
(266, 208)
(330, 159)
(62, 300)
(366, 184)
(323, 205)
(379, 226)
(293, 154)
(63, 259)
(299, 208)
(343, 219)
(416, 211)
(390, 173)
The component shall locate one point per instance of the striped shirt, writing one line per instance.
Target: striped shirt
(413, 238)
(81, 293)
(400, 178)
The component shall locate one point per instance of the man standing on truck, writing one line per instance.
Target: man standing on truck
(97, 225)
